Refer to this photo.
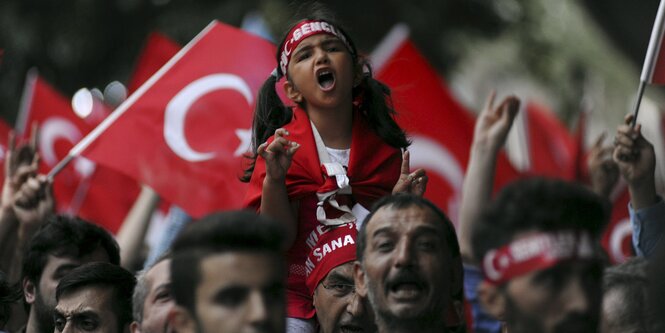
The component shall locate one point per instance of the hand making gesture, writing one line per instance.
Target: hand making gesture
(414, 182)
(278, 155)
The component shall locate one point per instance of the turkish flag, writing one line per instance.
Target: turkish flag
(579, 151)
(617, 239)
(82, 188)
(158, 49)
(551, 147)
(4, 137)
(441, 129)
(184, 132)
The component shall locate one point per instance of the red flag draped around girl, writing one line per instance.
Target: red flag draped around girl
(325, 160)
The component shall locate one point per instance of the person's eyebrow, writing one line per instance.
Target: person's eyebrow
(336, 277)
(304, 46)
(331, 40)
(58, 312)
(161, 288)
(428, 229)
(387, 230)
(230, 290)
(85, 314)
(63, 269)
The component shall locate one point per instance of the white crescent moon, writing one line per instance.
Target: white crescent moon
(177, 108)
(52, 129)
(622, 230)
(429, 154)
(488, 265)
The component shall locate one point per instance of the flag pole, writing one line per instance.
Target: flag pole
(636, 108)
(651, 58)
(122, 108)
(58, 167)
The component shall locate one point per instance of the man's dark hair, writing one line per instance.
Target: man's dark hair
(537, 204)
(238, 231)
(9, 294)
(107, 275)
(403, 201)
(66, 236)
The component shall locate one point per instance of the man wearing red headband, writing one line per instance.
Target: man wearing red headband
(329, 267)
(409, 265)
(537, 247)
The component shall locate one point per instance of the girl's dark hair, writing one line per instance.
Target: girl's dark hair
(376, 104)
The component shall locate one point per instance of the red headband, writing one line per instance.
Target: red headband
(303, 30)
(329, 248)
(535, 252)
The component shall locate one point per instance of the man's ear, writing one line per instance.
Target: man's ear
(134, 327)
(29, 291)
(292, 92)
(492, 300)
(180, 320)
(360, 279)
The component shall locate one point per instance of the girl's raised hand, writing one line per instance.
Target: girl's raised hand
(278, 155)
(414, 182)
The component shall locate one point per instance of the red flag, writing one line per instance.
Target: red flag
(84, 189)
(440, 128)
(184, 131)
(157, 50)
(551, 147)
(580, 153)
(4, 135)
(617, 238)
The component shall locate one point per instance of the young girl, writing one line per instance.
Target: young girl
(325, 160)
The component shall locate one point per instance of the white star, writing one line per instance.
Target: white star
(245, 137)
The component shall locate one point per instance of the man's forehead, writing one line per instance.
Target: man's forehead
(404, 218)
(72, 255)
(316, 39)
(235, 265)
(159, 273)
(86, 298)
(344, 270)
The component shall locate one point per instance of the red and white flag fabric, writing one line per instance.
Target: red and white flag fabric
(653, 70)
(184, 131)
(4, 142)
(580, 150)
(617, 238)
(94, 193)
(441, 129)
(157, 51)
(541, 145)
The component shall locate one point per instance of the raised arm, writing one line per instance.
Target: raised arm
(131, 235)
(490, 133)
(603, 171)
(637, 163)
(275, 201)
(20, 164)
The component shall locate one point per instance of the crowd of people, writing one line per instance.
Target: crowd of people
(337, 236)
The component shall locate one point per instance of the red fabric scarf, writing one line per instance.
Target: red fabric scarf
(374, 168)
